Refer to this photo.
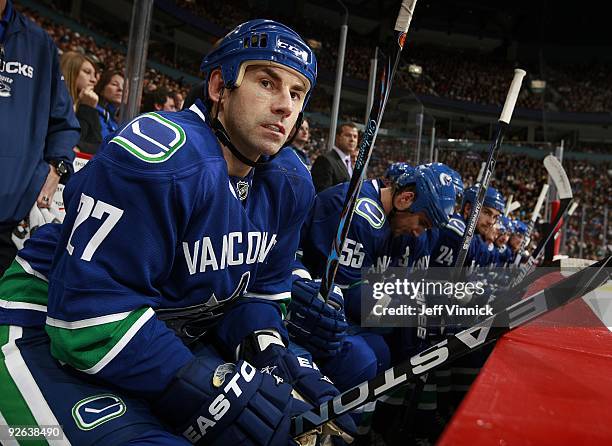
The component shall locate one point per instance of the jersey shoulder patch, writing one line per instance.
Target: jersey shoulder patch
(151, 138)
(371, 211)
(457, 226)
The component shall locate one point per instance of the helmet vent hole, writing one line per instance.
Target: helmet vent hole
(263, 41)
(245, 42)
(255, 40)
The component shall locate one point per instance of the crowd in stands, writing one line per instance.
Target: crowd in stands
(447, 74)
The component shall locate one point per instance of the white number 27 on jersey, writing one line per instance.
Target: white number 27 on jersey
(96, 209)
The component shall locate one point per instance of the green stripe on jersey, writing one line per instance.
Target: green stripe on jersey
(13, 406)
(83, 348)
(17, 285)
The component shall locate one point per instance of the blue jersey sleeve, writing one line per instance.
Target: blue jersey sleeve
(127, 213)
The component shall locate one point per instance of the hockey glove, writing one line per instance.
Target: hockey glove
(209, 402)
(266, 351)
(315, 325)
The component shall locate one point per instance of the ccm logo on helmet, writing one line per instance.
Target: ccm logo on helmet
(17, 68)
(302, 54)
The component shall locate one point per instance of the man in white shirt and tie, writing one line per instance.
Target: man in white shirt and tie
(336, 165)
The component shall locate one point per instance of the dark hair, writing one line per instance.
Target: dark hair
(159, 96)
(346, 124)
(105, 79)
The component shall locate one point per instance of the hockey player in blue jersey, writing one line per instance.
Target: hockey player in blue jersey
(504, 253)
(176, 248)
(415, 252)
(450, 237)
(517, 234)
(418, 200)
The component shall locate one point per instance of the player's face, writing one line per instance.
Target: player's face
(486, 220)
(86, 77)
(502, 239)
(409, 223)
(515, 241)
(261, 113)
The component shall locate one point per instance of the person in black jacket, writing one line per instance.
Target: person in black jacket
(80, 74)
(336, 165)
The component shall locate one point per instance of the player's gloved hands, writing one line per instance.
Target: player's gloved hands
(214, 403)
(271, 356)
(318, 326)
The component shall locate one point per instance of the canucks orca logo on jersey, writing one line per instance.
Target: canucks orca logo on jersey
(152, 138)
(371, 211)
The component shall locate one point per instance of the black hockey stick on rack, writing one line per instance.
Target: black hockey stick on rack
(365, 151)
(502, 125)
(460, 344)
(534, 217)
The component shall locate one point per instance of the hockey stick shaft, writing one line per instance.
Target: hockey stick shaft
(365, 151)
(534, 218)
(559, 178)
(456, 346)
(528, 268)
(502, 124)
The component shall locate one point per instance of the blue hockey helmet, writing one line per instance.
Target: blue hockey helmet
(518, 227)
(504, 224)
(396, 169)
(493, 198)
(262, 41)
(435, 192)
(443, 169)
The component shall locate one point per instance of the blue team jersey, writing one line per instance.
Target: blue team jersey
(369, 244)
(414, 253)
(448, 243)
(154, 222)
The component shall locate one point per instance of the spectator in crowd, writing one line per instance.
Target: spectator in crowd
(39, 127)
(179, 100)
(160, 99)
(299, 142)
(110, 91)
(336, 166)
(80, 75)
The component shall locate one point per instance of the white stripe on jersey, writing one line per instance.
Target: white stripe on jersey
(23, 379)
(127, 337)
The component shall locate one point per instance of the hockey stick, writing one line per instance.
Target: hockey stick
(502, 125)
(365, 151)
(534, 217)
(508, 203)
(460, 344)
(564, 189)
(514, 206)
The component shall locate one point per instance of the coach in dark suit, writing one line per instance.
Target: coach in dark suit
(335, 166)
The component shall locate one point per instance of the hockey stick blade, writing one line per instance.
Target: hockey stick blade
(558, 176)
(363, 156)
(460, 344)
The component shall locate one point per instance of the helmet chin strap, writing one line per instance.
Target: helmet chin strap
(224, 138)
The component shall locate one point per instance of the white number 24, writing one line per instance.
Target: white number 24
(96, 209)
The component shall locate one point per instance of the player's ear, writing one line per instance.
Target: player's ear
(404, 200)
(215, 85)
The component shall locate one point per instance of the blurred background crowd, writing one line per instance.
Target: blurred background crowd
(463, 75)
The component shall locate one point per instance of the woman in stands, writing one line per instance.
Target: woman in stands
(80, 75)
(110, 90)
